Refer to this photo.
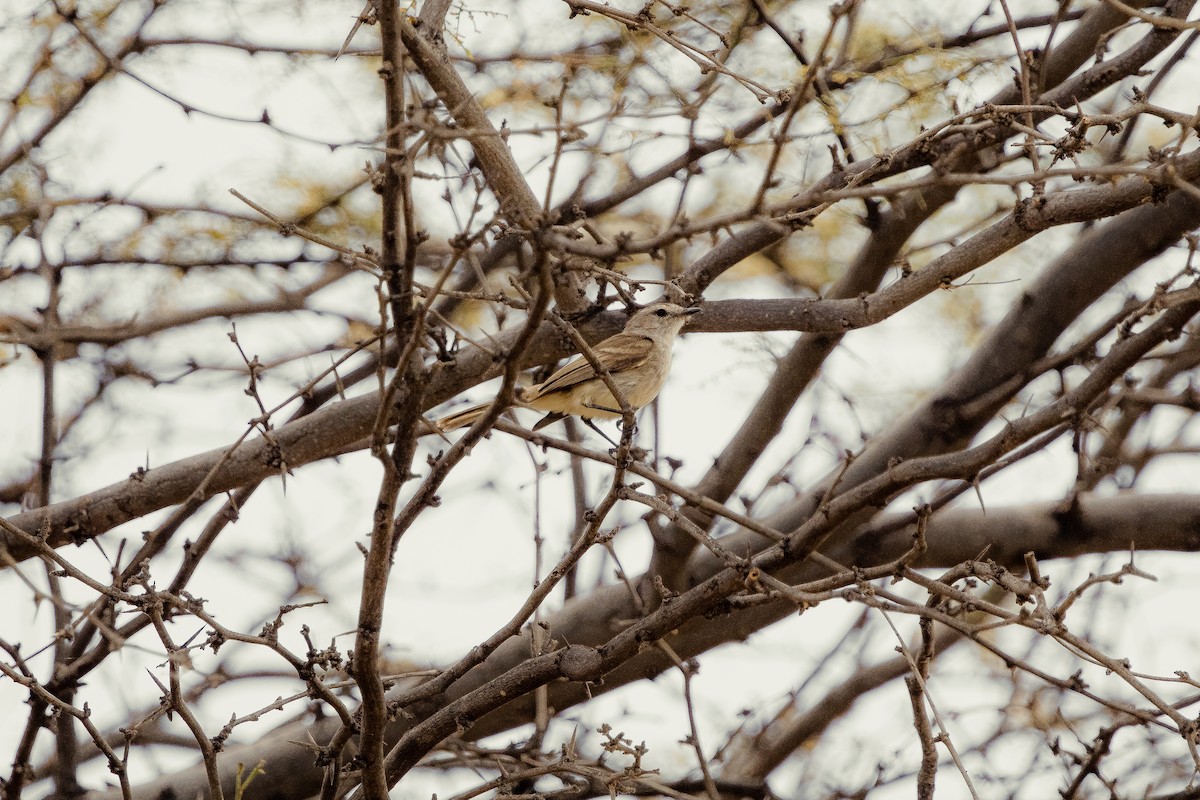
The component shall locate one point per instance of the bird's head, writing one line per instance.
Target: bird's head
(658, 317)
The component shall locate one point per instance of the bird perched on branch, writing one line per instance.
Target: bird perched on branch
(637, 360)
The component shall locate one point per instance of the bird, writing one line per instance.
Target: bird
(637, 360)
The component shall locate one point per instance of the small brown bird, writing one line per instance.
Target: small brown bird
(637, 359)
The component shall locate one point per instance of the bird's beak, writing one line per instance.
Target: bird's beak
(689, 311)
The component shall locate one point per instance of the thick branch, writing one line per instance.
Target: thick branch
(331, 429)
(1098, 525)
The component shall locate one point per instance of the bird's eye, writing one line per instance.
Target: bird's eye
(662, 312)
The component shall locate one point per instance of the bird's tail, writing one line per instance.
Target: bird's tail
(461, 419)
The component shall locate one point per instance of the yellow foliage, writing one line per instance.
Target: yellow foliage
(753, 266)
(874, 37)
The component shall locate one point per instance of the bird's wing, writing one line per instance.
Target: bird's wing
(620, 352)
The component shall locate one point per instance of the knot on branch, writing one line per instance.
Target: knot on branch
(579, 663)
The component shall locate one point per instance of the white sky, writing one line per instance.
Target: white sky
(130, 141)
